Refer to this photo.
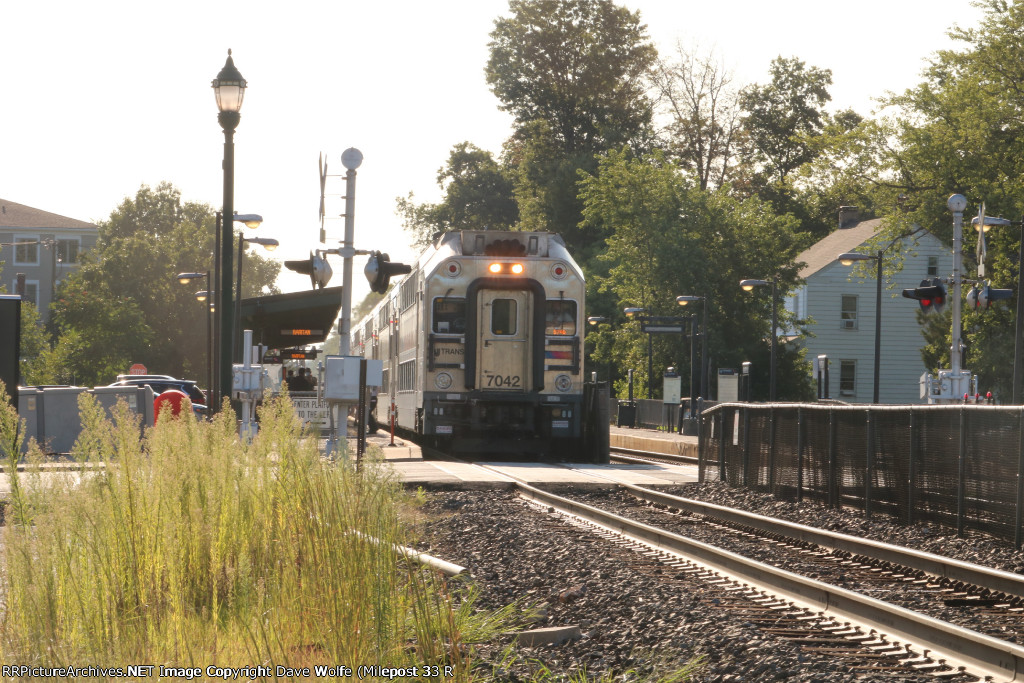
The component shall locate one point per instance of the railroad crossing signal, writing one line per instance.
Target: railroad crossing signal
(316, 267)
(379, 270)
(930, 294)
(980, 298)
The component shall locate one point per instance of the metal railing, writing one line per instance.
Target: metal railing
(959, 466)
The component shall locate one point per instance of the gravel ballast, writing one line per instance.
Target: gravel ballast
(636, 616)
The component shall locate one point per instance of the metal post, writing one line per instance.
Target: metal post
(694, 379)
(961, 483)
(226, 310)
(957, 203)
(775, 337)
(878, 325)
(209, 347)
(217, 305)
(650, 365)
(869, 464)
(351, 159)
(704, 367)
(1018, 527)
(238, 293)
(1018, 346)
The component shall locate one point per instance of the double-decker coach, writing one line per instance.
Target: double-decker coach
(482, 344)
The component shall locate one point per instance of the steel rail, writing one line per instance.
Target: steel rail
(936, 565)
(978, 653)
(653, 455)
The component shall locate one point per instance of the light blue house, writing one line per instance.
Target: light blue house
(840, 303)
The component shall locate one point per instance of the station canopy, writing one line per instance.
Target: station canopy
(294, 319)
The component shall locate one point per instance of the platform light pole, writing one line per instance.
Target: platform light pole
(685, 300)
(848, 259)
(748, 286)
(631, 312)
(267, 243)
(203, 296)
(229, 88)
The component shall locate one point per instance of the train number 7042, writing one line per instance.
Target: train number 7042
(503, 381)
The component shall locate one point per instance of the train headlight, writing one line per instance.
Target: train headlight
(517, 268)
(494, 268)
(563, 383)
(442, 380)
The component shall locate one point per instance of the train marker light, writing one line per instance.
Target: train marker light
(930, 294)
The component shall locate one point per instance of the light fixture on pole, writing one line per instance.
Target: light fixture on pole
(229, 88)
(685, 300)
(748, 286)
(267, 243)
(202, 296)
(848, 259)
(632, 312)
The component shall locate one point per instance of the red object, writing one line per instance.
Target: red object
(137, 369)
(171, 399)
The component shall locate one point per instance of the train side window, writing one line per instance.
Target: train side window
(560, 318)
(503, 316)
(449, 315)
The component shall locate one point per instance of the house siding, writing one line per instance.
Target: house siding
(901, 366)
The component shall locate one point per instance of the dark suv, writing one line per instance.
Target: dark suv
(161, 383)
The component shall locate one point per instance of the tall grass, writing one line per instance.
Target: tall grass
(182, 545)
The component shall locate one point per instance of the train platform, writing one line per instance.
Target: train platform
(410, 467)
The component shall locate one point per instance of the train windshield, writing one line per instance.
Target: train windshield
(449, 315)
(560, 318)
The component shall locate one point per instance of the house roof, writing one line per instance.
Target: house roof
(842, 240)
(14, 215)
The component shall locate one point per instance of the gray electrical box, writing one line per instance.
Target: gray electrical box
(341, 377)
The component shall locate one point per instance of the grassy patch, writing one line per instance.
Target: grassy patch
(190, 548)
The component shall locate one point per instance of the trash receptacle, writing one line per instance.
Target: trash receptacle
(627, 414)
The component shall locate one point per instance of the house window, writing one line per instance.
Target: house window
(847, 378)
(848, 313)
(31, 291)
(933, 266)
(26, 251)
(67, 250)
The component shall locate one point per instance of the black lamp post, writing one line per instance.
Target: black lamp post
(630, 312)
(747, 286)
(203, 296)
(684, 300)
(229, 87)
(848, 259)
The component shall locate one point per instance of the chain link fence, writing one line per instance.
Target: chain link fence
(958, 466)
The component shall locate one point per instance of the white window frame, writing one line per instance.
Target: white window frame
(844, 317)
(78, 252)
(19, 239)
(853, 390)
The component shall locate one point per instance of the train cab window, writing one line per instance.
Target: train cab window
(449, 315)
(503, 316)
(560, 318)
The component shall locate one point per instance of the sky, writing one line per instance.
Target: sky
(98, 99)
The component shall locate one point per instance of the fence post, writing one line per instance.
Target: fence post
(800, 454)
(746, 447)
(961, 486)
(912, 466)
(1017, 529)
(721, 447)
(771, 449)
(833, 484)
(869, 469)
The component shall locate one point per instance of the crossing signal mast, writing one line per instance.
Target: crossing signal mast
(953, 385)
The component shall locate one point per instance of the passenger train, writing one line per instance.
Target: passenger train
(482, 346)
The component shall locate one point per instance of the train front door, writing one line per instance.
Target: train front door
(503, 348)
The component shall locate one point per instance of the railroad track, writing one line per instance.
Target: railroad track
(870, 633)
(618, 454)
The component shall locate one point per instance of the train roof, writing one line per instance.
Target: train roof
(502, 243)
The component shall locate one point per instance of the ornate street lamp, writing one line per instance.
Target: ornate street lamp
(229, 88)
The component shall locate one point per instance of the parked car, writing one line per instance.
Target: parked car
(161, 383)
